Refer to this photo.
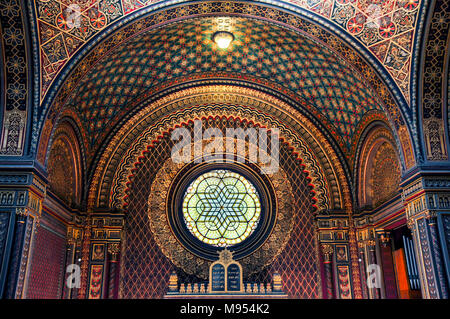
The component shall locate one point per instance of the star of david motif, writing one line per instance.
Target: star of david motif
(222, 208)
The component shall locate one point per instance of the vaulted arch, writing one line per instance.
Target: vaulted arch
(65, 169)
(60, 98)
(319, 157)
(378, 166)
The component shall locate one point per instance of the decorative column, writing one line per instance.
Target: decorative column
(362, 269)
(74, 241)
(387, 263)
(370, 245)
(368, 257)
(440, 267)
(425, 198)
(353, 251)
(113, 271)
(333, 230)
(21, 196)
(85, 256)
(327, 251)
(102, 253)
(19, 266)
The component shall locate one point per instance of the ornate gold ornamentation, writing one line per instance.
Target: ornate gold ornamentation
(226, 94)
(191, 264)
(411, 223)
(385, 175)
(114, 250)
(64, 165)
(327, 251)
(379, 167)
(384, 237)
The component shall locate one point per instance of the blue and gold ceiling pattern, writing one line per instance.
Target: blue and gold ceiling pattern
(385, 27)
(318, 75)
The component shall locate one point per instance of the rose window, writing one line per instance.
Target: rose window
(221, 208)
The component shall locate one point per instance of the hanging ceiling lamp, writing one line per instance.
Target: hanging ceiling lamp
(223, 39)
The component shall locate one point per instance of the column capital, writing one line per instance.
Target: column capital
(425, 196)
(411, 223)
(74, 235)
(114, 250)
(327, 251)
(431, 216)
(384, 237)
(370, 243)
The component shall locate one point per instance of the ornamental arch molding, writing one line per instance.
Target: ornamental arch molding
(153, 191)
(117, 162)
(65, 164)
(377, 163)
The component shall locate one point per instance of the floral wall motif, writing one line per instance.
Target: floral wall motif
(385, 175)
(434, 77)
(378, 167)
(64, 167)
(15, 88)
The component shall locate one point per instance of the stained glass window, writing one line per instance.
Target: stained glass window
(221, 208)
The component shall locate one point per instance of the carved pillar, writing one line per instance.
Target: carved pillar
(327, 251)
(370, 245)
(353, 250)
(440, 267)
(333, 230)
(368, 258)
(70, 259)
(423, 198)
(18, 267)
(85, 252)
(362, 269)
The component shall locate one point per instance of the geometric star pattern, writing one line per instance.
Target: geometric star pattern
(316, 74)
(385, 27)
(221, 208)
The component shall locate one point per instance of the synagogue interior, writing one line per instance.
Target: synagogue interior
(169, 149)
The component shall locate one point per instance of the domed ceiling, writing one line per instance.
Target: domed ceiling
(182, 51)
(385, 27)
(59, 40)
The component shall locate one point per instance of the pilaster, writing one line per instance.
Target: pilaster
(368, 257)
(104, 255)
(333, 232)
(425, 197)
(21, 197)
(75, 236)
